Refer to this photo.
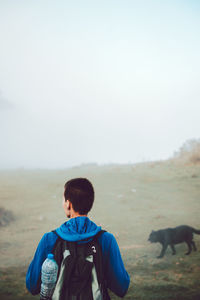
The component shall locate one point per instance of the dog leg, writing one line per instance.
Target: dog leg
(189, 248)
(162, 253)
(194, 245)
(173, 249)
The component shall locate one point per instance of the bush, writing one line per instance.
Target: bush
(189, 152)
(6, 216)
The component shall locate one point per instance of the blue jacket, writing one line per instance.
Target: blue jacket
(78, 229)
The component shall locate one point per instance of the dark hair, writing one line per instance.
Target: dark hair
(80, 192)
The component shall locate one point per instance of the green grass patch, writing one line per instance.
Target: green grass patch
(149, 281)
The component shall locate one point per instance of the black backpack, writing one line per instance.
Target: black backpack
(80, 274)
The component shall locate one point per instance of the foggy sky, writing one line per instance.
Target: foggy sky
(97, 81)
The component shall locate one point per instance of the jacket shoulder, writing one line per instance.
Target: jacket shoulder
(49, 239)
(107, 241)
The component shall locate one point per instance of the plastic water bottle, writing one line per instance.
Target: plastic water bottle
(48, 277)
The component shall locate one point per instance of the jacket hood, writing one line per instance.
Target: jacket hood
(77, 229)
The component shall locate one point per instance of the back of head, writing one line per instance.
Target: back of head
(80, 192)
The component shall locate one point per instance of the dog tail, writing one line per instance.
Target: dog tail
(196, 231)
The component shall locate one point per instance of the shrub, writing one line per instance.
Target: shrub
(6, 216)
(189, 152)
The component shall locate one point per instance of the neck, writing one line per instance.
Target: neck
(75, 214)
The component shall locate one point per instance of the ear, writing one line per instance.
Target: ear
(66, 204)
(67, 208)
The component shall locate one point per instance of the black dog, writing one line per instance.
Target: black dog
(172, 236)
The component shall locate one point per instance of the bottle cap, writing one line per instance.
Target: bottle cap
(50, 256)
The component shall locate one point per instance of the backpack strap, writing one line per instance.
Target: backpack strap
(98, 261)
(99, 234)
(54, 231)
(58, 249)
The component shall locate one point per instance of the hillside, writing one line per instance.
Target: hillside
(130, 201)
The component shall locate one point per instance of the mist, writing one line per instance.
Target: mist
(108, 82)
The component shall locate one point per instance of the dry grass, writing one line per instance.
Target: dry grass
(130, 202)
(189, 153)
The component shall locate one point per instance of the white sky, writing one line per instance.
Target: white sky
(97, 81)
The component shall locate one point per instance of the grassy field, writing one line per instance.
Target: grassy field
(131, 201)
